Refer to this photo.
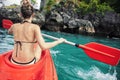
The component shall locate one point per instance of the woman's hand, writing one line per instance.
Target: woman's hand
(61, 40)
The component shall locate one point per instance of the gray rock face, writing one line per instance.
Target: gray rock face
(62, 21)
(108, 24)
(14, 15)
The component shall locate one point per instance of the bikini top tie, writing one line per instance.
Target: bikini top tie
(20, 42)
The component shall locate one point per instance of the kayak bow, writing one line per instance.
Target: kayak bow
(43, 70)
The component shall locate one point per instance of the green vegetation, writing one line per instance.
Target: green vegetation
(89, 6)
(49, 5)
(33, 1)
(94, 6)
(115, 4)
(84, 6)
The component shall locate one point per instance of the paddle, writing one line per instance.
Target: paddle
(7, 23)
(97, 51)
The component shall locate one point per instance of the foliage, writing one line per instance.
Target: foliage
(94, 6)
(33, 1)
(52, 3)
(103, 8)
(49, 5)
(85, 6)
(115, 4)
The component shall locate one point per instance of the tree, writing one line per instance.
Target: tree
(93, 6)
(115, 4)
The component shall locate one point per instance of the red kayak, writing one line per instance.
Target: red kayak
(42, 70)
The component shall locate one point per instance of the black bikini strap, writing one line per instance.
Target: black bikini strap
(18, 42)
(25, 21)
(28, 42)
(34, 59)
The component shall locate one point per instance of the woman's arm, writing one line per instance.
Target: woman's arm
(10, 30)
(45, 45)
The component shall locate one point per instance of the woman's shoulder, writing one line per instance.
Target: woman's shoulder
(16, 24)
(35, 25)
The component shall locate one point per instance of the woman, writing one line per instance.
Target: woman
(26, 35)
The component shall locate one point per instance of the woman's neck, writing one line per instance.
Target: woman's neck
(28, 20)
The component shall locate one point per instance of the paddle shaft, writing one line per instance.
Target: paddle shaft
(54, 38)
(79, 45)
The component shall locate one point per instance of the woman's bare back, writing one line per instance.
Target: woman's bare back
(24, 33)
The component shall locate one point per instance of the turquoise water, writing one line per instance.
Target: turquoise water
(71, 62)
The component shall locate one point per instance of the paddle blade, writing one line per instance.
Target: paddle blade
(102, 53)
(6, 23)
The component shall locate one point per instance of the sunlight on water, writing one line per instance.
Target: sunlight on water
(95, 73)
(54, 52)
